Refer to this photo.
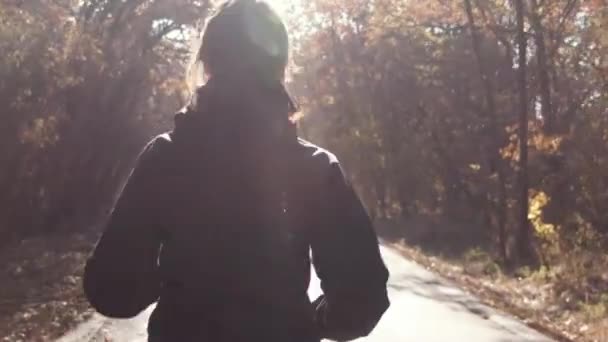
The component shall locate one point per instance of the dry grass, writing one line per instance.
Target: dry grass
(41, 295)
(544, 303)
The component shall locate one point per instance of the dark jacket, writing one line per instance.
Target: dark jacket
(217, 225)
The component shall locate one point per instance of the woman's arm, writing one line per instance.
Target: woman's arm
(347, 260)
(121, 276)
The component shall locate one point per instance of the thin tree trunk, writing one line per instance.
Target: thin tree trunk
(543, 68)
(494, 152)
(524, 246)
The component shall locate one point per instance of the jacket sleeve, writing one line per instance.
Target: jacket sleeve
(121, 276)
(347, 260)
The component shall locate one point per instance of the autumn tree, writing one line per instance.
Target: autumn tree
(82, 87)
(424, 103)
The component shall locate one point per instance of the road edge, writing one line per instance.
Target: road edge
(497, 303)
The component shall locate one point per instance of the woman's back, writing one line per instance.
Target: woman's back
(218, 220)
(232, 240)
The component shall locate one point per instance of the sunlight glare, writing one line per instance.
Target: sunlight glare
(281, 6)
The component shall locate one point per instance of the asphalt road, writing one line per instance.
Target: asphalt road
(425, 308)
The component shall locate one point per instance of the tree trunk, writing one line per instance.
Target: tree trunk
(524, 238)
(494, 146)
(543, 68)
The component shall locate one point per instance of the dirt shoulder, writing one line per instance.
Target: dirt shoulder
(41, 295)
(530, 299)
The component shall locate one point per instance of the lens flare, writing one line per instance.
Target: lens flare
(280, 6)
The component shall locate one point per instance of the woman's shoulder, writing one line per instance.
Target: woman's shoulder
(317, 153)
(159, 142)
(155, 149)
